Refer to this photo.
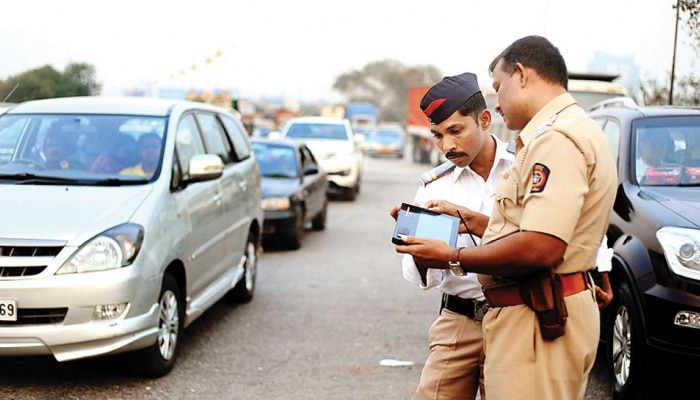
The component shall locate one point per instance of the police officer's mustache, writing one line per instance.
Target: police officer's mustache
(453, 154)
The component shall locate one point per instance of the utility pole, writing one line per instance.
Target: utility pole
(673, 63)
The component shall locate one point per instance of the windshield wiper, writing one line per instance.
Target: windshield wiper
(27, 178)
(119, 182)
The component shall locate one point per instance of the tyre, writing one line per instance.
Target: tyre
(319, 221)
(625, 352)
(158, 359)
(293, 239)
(245, 288)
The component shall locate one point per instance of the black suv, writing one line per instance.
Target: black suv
(655, 232)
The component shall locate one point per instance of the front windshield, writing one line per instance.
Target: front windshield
(276, 161)
(667, 151)
(79, 149)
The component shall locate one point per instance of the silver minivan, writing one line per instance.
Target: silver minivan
(122, 221)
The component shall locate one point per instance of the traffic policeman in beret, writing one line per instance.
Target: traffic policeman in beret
(466, 182)
(551, 211)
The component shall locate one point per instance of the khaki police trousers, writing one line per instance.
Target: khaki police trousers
(519, 364)
(453, 369)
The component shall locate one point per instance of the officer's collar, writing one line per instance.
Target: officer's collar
(545, 117)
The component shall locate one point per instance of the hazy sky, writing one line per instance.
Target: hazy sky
(296, 48)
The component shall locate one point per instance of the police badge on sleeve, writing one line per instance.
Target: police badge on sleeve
(540, 174)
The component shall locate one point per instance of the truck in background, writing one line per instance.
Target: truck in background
(362, 113)
(423, 148)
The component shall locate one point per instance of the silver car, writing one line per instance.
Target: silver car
(123, 220)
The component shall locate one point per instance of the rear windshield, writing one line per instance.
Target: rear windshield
(317, 131)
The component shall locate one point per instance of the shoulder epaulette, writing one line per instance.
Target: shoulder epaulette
(437, 172)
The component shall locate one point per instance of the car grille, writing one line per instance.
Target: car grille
(20, 259)
(33, 316)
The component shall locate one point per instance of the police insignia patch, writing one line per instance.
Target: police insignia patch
(540, 173)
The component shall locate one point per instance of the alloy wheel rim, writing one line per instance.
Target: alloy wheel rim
(250, 266)
(621, 346)
(169, 325)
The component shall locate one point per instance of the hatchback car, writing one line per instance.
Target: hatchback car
(293, 188)
(333, 142)
(105, 252)
(655, 233)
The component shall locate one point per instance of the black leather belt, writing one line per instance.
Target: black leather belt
(474, 309)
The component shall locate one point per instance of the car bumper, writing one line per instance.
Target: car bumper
(665, 306)
(343, 174)
(79, 334)
(385, 151)
(279, 223)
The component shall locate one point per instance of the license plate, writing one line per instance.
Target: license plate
(8, 310)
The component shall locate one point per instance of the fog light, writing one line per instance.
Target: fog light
(688, 319)
(109, 311)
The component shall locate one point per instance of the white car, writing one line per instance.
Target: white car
(103, 251)
(333, 143)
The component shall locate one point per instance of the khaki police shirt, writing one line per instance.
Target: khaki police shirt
(562, 183)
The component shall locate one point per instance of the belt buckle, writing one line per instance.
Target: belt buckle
(480, 309)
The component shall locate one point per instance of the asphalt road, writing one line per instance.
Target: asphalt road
(322, 320)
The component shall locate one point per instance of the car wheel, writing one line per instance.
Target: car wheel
(319, 221)
(245, 288)
(158, 359)
(293, 241)
(626, 356)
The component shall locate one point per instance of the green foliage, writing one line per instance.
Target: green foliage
(691, 11)
(78, 79)
(385, 83)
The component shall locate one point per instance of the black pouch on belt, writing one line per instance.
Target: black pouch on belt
(544, 294)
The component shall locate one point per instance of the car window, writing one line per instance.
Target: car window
(275, 160)
(188, 142)
(215, 137)
(307, 158)
(611, 129)
(239, 137)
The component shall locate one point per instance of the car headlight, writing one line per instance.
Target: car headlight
(682, 250)
(275, 204)
(111, 249)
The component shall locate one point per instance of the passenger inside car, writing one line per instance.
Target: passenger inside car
(121, 154)
(653, 149)
(57, 152)
(149, 146)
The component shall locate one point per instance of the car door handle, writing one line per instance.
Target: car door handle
(243, 185)
(217, 200)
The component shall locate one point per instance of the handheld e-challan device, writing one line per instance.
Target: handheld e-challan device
(421, 222)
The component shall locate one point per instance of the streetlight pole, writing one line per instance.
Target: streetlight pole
(673, 63)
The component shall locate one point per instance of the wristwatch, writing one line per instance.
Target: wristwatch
(456, 266)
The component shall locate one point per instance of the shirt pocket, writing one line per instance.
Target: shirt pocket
(509, 212)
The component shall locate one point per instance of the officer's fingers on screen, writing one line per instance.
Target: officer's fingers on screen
(395, 211)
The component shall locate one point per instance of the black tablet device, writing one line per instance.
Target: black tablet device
(417, 221)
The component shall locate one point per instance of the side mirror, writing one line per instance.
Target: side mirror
(205, 167)
(311, 170)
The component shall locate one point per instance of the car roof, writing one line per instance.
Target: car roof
(148, 106)
(317, 119)
(645, 111)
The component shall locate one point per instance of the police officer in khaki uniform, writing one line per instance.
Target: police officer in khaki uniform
(551, 213)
